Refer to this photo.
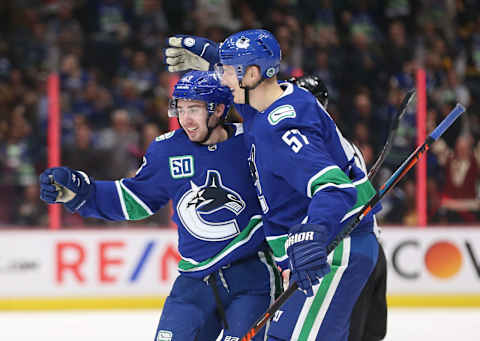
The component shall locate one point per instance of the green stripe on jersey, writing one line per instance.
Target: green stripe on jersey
(321, 293)
(276, 273)
(244, 236)
(331, 175)
(277, 244)
(134, 208)
(365, 191)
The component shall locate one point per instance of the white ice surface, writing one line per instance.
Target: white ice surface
(403, 325)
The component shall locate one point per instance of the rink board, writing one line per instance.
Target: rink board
(129, 269)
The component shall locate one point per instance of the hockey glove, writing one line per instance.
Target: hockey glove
(190, 53)
(307, 254)
(64, 185)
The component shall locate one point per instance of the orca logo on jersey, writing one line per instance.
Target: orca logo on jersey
(199, 202)
(212, 196)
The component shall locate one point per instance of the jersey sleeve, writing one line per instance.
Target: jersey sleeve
(131, 198)
(303, 159)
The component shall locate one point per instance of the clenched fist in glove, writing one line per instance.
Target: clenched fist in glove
(191, 53)
(306, 247)
(64, 185)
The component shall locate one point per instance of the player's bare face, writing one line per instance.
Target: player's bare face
(229, 78)
(193, 117)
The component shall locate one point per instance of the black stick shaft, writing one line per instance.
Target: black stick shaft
(392, 133)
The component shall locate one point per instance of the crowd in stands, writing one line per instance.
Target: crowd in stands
(115, 87)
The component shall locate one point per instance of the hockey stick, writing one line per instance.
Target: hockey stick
(392, 132)
(357, 218)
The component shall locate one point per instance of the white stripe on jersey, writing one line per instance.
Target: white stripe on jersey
(331, 290)
(328, 298)
(122, 202)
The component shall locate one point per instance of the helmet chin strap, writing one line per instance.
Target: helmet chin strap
(209, 131)
(220, 121)
(248, 88)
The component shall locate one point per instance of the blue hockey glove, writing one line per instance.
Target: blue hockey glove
(306, 247)
(64, 185)
(190, 53)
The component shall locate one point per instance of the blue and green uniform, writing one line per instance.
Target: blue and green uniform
(220, 230)
(304, 171)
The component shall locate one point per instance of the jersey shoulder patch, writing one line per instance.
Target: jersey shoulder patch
(165, 136)
(280, 113)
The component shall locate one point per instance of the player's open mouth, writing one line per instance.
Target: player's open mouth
(192, 129)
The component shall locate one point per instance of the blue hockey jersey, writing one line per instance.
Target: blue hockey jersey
(215, 204)
(303, 167)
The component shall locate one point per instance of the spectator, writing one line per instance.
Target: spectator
(150, 24)
(214, 13)
(128, 97)
(94, 102)
(16, 162)
(364, 61)
(65, 28)
(248, 18)
(139, 73)
(397, 49)
(110, 54)
(291, 52)
(460, 202)
(30, 211)
(72, 77)
(84, 153)
(121, 141)
(452, 90)
(109, 23)
(16, 154)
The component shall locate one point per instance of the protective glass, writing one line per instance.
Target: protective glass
(225, 72)
(175, 111)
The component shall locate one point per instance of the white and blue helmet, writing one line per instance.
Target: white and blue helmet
(251, 47)
(202, 86)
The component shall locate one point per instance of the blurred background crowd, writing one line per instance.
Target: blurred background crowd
(114, 86)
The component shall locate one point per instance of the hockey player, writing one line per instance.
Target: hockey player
(369, 316)
(227, 278)
(308, 185)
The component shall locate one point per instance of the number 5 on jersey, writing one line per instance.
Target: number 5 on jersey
(295, 139)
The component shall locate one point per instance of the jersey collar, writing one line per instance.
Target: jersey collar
(287, 90)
